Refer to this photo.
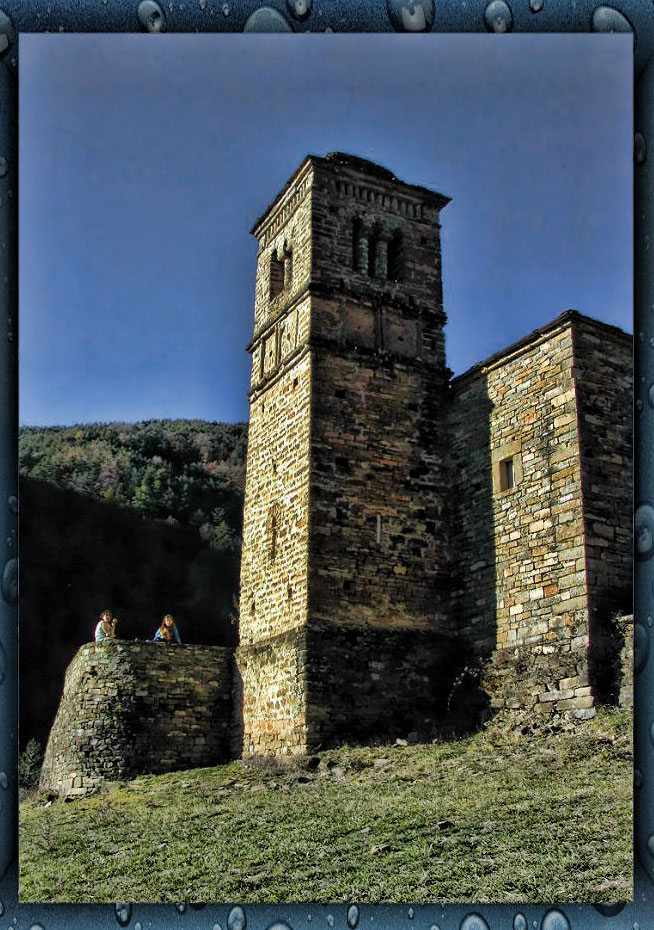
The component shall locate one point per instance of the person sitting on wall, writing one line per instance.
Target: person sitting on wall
(167, 632)
(106, 627)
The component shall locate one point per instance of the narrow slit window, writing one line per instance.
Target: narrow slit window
(507, 474)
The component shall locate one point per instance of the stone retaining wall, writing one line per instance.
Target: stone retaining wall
(130, 708)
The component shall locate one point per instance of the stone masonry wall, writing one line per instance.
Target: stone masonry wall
(131, 707)
(604, 383)
(535, 538)
(270, 696)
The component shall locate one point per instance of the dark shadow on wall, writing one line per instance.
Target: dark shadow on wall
(78, 557)
(473, 555)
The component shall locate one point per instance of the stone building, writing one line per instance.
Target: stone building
(399, 525)
(401, 529)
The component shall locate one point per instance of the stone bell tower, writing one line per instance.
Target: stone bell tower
(343, 614)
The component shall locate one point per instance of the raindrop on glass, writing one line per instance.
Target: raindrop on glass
(138, 925)
(641, 647)
(236, 919)
(265, 19)
(410, 913)
(225, 9)
(644, 531)
(123, 913)
(12, 503)
(640, 148)
(61, 29)
(203, 4)
(151, 16)
(36, 927)
(473, 922)
(352, 916)
(609, 910)
(519, 922)
(434, 927)
(10, 581)
(411, 15)
(555, 920)
(309, 918)
(607, 19)
(180, 908)
(4, 781)
(7, 32)
(330, 920)
(299, 9)
(536, 5)
(639, 405)
(498, 17)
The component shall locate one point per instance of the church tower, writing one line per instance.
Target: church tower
(343, 602)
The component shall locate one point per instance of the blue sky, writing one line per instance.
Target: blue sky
(144, 161)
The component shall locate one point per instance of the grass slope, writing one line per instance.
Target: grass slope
(503, 815)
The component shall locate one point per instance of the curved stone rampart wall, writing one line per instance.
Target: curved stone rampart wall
(130, 708)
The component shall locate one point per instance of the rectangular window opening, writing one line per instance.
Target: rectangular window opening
(507, 474)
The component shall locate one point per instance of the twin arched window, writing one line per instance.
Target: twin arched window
(377, 254)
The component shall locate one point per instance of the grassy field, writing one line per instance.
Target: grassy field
(503, 815)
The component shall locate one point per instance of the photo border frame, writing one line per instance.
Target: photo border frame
(496, 16)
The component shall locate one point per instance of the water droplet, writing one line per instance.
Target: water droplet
(4, 781)
(555, 920)
(519, 922)
(609, 910)
(411, 15)
(330, 920)
(203, 4)
(217, 927)
(639, 405)
(170, 7)
(123, 913)
(535, 5)
(7, 32)
(410, 913)
(225, 9)
(180, 908)
(352, 916)
(608, 19)
(12, 503)
(644, 531)
(138, 925)
(473, 922)
(279, 925)
(36, 927)
(151, 16)
(9, 582)
(265, 19)
(299, 9)
(638, 778)
(434, 927)
(640, 148)
(61, 29)
(641, 647)
(498, 17)
(309, 918)
(236, 919)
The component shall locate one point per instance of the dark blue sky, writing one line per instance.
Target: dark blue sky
(144, 161)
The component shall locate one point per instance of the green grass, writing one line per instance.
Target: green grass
(498, 816)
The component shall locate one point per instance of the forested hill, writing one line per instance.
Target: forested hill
(142, 519)
(185, 471)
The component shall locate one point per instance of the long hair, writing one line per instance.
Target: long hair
(167, 631)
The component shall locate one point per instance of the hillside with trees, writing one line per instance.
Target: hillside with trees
(142, 519)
